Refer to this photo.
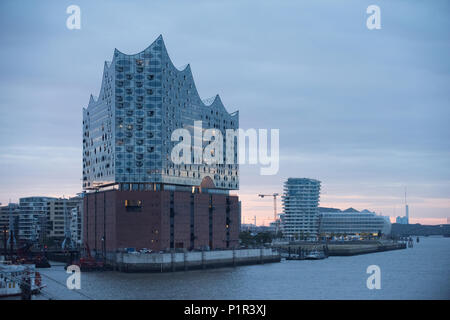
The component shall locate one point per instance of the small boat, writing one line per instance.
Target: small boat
(315, 255)
(410, 242)
(13, 275)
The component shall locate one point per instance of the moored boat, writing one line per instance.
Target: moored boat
(315, 255)
(12, 276)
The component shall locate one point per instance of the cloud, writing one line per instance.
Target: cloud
(363, 111)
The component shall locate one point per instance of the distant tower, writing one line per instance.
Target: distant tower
(406, 210)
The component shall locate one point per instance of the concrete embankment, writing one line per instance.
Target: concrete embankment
(355, 249)
(344, 249)
(179, 261)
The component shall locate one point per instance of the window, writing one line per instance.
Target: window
(133, 205)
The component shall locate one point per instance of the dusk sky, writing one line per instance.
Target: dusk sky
(364, 111)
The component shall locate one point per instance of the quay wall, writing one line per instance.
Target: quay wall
(181, 261)
(345, 249)
(351, 250)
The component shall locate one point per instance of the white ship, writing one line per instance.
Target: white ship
(12, 275)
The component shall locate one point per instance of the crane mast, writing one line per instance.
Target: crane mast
(274, 195)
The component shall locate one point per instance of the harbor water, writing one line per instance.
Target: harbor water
(421, 272)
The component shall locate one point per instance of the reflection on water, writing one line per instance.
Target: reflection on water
(422, 272)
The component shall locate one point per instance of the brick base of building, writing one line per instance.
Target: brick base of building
(159, 220)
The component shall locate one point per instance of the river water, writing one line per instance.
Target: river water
(422, 272)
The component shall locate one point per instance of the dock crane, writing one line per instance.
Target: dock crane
(274, 195)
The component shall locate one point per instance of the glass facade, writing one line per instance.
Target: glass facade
(127, 129)
(341, 222)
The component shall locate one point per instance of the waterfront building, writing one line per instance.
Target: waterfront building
(352, 222)
(32, 222)
(74, 233)
(136, 195)
(300, 205)
(58, 218)
(8, 220)
(4, 217)
(274, 226)
(44, 219)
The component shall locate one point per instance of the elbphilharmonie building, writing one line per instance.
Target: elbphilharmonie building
(136, 195)
(127, 128)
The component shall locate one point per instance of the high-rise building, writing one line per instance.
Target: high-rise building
(300, 204)
(58, 217)
(44, 219)
(127, 129)
(32, 222)
(55, 219)
(137, 196)
(5, 214)
(8, 220)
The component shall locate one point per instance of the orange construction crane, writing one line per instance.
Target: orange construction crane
(274, 195)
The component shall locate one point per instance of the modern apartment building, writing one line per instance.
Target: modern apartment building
(32, 222)
(59, 216)
(44, 219)
(137, 196)
(73, 218)
(352, 222)
(9, 215)
(300, 204)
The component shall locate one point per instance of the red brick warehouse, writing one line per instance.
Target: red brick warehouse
(160, 220)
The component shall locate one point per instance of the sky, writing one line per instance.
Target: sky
(364, 111)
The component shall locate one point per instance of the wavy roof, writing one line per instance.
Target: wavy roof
(213, 102)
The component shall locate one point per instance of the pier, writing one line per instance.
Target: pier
(342, 248)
